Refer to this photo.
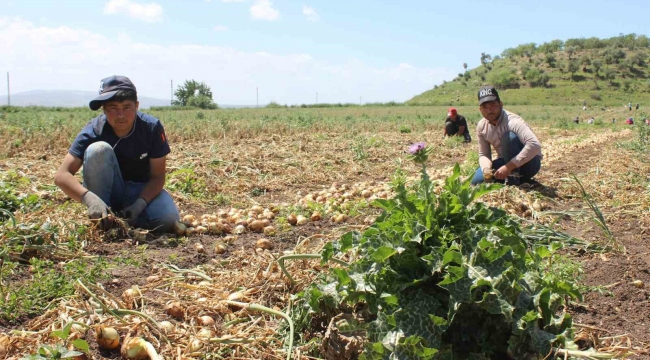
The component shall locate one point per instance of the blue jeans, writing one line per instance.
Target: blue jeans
(513, 147)
(102, 176)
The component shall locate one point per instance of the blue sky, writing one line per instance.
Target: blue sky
(344, 50)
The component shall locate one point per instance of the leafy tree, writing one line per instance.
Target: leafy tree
(202, 102)
(550, 47)
(610, 75)
(550, 59)
(570, 50)
(573, 66)
(485, 58)
(612, 55)
(642, 41)
(626, 84)
(190, 89)
(465, 66)
(639, 58)
(576, 44)
(536, 77)
(503, 78)
(597, 64)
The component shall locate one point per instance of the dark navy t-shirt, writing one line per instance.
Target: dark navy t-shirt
(460, 121)
(146, 141)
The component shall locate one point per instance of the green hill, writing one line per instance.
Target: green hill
(602, 72)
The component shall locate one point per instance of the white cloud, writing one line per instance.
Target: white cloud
(232, 1)
(310, 13)
(220, 28)
(151, 12)
(263, 10)
(40, 57)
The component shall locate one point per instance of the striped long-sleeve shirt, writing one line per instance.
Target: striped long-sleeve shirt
(489, 134)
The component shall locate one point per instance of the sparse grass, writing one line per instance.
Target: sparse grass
(43, 281)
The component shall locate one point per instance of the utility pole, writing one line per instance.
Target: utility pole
(8, 92)
(257, 97)
(171, 98)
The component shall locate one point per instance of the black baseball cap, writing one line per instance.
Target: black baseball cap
(108, 87)
(487, 93)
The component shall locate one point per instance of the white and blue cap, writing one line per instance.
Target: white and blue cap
(108, 87)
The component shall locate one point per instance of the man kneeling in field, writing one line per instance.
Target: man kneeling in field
(456, 125)
(519, 153)
(123, 154)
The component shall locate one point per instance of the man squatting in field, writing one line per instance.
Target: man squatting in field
(519, 153)
(456, 125)
(123, 154)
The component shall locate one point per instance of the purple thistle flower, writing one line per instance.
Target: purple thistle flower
(417, 147)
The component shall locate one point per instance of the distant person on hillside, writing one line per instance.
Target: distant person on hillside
(629, 121)
(576, 120)
(590, 121)
(629, 105)
(519, 152)
(456, 125)
(584, 107)
(123, 154)
(637, 106)
(613, 120)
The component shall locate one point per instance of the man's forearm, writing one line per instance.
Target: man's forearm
(484, 162)
(153, 188)
(511, 166)
(69, 185)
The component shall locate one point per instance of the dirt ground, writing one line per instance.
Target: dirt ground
(621, 309)
(617, 314)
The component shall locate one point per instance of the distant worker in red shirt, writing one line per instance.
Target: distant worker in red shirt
(456, 125)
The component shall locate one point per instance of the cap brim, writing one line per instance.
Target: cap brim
(97, 102)
(488, 98)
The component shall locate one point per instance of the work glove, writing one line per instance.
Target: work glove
(132, 212)
(97, 209)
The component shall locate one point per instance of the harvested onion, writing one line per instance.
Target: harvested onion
(107, 337)
(236, 296)
(129, 296)
(219, 248)
(4, 345)
(206, 320)
(239, 229)
(139, 349)
(269, 231)
(174, 310)
(315, 216)
(166, 326)
(188, 219)
(292, 219)
(195, 345)
(205, 334)
(199, 248)
(264, 243)
(256, 225)
(301, 220)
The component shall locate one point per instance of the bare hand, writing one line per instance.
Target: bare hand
(502, 173)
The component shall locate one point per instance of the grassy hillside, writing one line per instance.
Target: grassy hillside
(602, 72)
